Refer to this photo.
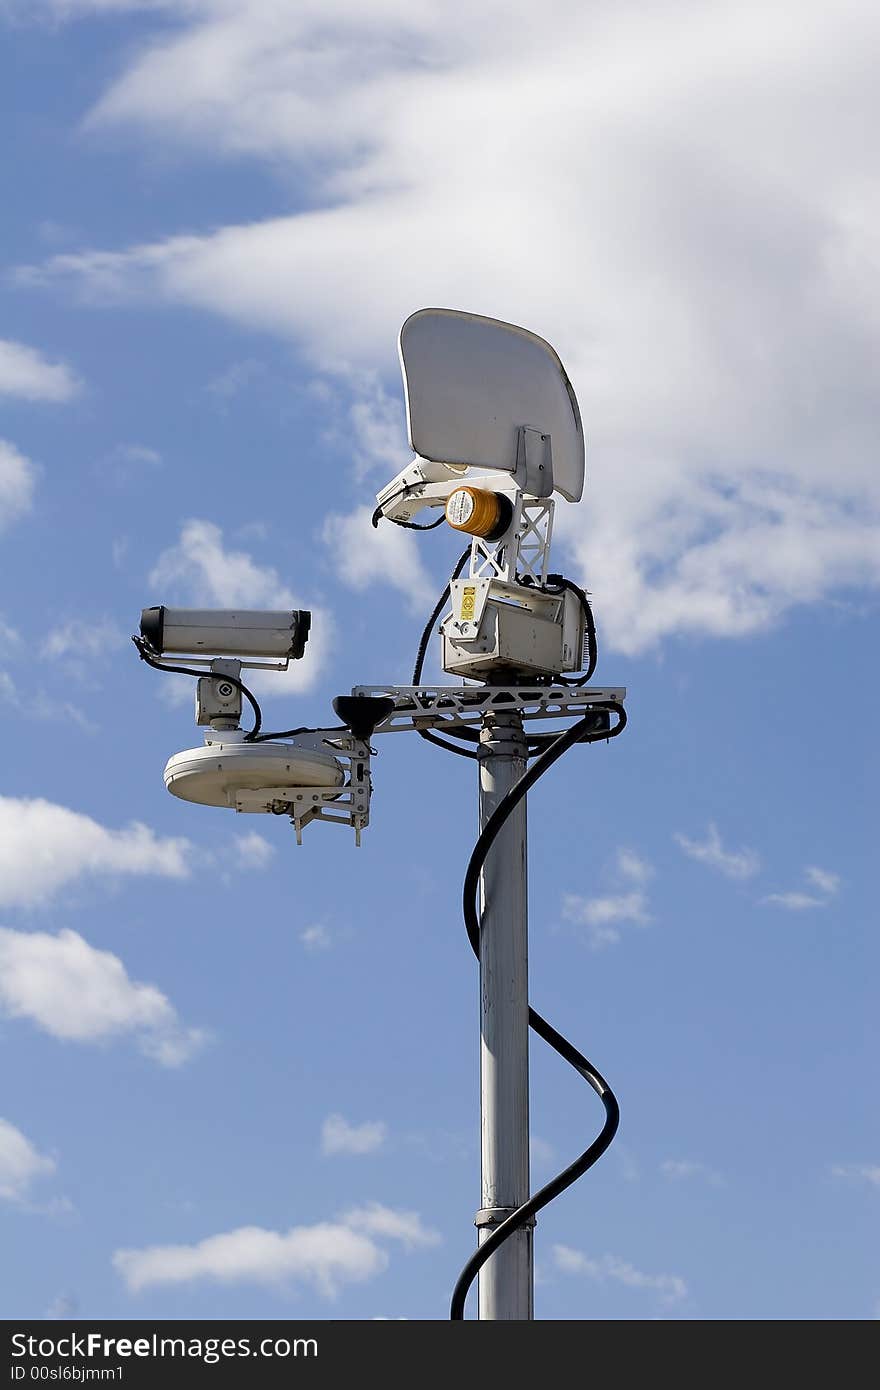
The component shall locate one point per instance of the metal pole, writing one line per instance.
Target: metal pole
(506, 1288)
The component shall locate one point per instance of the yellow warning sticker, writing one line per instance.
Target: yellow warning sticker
(468, 602)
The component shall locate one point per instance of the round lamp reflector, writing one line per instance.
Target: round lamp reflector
(216, 773)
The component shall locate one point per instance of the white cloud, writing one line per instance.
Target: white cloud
(137, 454)
(340, 1137)
(9, 636)
(698, 243)
(38, 705)
(598, 937)
(44, 847)
(823, 879)
(81, 639)
(631, 866)
(171, 1045)
(208, 573)
(316, 938)
(684, 1170)
(77, 993)
(741, 863)
(325, 1256)
(200, 570)
(129, 463)
(378, 422)
(26, 373)
(405, 1226)
(252, 851)
(363, 555)
(8, 689)
(599, 912)
(670, 1287)
(793, 902)
(598, 915)
(858, 1172)
(64, 1305)
(826, 882)
(626, 907)
(17, 479)
(20, 1163)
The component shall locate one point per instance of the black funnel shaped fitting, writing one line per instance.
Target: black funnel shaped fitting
(361, 713)
(601, 724)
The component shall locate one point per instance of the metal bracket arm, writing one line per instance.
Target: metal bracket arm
(345, 805)
(436, 706)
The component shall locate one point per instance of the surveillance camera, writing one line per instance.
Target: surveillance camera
(226, 632)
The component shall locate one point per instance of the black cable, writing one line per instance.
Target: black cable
(560, 582)
(536, 743)
(146, 655)
(420, 658)
(254, 735)
(441, 743)
(438, 609)
(589, 624)
(576, 733)
(303, 729)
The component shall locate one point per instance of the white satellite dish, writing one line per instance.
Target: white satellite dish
(472, 384)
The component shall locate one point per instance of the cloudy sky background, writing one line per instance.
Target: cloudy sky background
(241, 1077)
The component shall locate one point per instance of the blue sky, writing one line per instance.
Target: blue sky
(241, 1076)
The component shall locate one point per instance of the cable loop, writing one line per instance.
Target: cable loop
(578, 732)
(151, 658)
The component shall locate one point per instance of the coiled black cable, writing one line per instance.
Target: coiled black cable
(589, 625)
(253, 735)
(152, 659)
(577, 733)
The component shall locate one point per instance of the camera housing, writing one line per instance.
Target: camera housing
(278, 633)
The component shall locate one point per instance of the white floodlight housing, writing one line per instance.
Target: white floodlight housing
(486, 402)
(251, 776)
(226, 632)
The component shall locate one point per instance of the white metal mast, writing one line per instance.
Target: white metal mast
(506, 1287)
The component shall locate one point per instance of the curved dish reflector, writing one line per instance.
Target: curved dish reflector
(470, 382)
(216, 773)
